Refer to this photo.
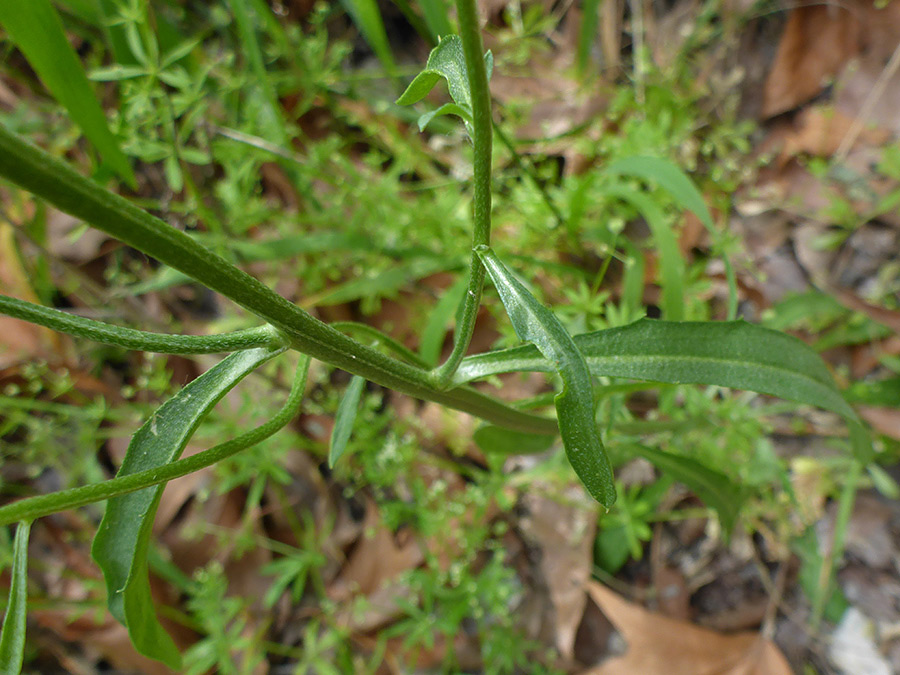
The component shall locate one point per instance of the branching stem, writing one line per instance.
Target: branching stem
(482, 138)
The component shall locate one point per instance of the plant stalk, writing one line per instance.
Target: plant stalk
(52, 179)
(482, 139)
(129, 338)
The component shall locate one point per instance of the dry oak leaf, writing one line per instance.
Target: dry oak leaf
(658, 645)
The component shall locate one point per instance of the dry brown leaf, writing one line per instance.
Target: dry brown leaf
(20, 340)
(819, 131)
(817, 41)
(378, 557)
(658, 645)
(563, 530)
(884, 420)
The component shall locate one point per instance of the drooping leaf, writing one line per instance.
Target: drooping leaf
(36, 29)
(575, 403)
(497, 440)
(344, 419)
(12, 638)
(726, 353)
(121, 544)
(713, 487)
(682, 189)
(670, 261)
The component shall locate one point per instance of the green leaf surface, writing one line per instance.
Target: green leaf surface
(446, 61)
(121, 544)
(497, 440)
(733, 354)
(670, 261)
(432, 338)
(670, 178)
(36, 29)
(713, 487)
(421, 85)
(446, 109)
(437, 18)
(682, 189)
(345, 418)
(575, 403)
(12, 638)
(367, 17)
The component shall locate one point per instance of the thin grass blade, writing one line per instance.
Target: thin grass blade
(36, 29)
(432, 339)
(367, 17)
(671, 262)
(345, 418)
(682, 189)
(12, 638)
(437, 18)
(123, 539)
(575, 403)
(713, 487)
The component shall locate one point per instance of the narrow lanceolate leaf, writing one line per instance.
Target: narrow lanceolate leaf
(733, 354)
(437, 18)
(367, 17)
(575, 403)
(123, 539)
(682, 189)
(36, 29)
(670, 261)
(344, 419)
(12, 638)
(432, 339)
(713, 487)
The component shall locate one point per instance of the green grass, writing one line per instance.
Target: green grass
(257, 140)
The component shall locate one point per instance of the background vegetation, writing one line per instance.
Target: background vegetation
(271, 134)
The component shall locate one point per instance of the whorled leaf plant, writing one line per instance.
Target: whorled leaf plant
(732, 354)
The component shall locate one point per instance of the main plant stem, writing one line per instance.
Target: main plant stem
(482, 139)
(49, 178)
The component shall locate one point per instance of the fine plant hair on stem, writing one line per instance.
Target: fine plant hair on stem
(44, 505)
(130, 338)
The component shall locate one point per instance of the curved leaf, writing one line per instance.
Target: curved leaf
(344, 419)
(37, 30)
(682, 189)
(713, 487)
(728, 353)
(122, 541)
(446, 109)
(670, 261)
(12, 638)
(367, 17)
(670, 178)
(575, 403)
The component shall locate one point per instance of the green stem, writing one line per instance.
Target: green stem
(49, 178)
(130, 338)
(482, 138)
(44, 505)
